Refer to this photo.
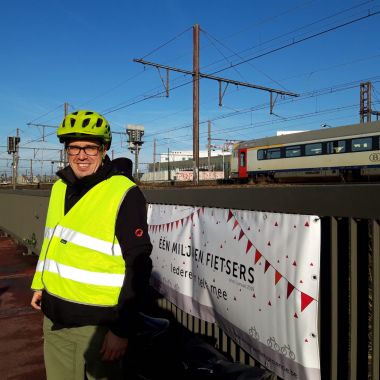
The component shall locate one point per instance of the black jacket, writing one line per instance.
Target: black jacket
(136, 249)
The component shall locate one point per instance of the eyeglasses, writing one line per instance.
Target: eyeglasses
(90, 150)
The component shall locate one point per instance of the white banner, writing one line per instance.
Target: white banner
(255, 274)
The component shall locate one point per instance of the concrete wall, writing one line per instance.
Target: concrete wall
(22, 215)
(23, 212)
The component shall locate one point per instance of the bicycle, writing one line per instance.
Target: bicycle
(159, 352)
(144, 358)
(285, 350)
(271, 342)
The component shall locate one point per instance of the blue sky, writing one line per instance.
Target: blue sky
(81, 52)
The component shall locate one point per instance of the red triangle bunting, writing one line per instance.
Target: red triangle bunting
(290, 290)
(267, 265)
(305, 301)
(236, 223)
(249, 245)
(257, 256)
(241, 234)
(277, 277)
(230, 215)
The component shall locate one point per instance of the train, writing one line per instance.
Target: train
(345, 153)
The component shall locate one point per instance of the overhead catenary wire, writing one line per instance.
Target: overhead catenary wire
(238, 55)
(266, 20)
(147, 97)
(166, 43)
(45, 114)
(303, 96)
(323, 91)
(298, 41)
(118, 108)
(319, 92)
(298, 29)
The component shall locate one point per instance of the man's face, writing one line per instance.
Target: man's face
(86, 161)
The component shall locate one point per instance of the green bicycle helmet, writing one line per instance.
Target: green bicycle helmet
(85, 124)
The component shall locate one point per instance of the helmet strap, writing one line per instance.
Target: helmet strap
(104, 152)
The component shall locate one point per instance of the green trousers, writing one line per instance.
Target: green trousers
(74, 354)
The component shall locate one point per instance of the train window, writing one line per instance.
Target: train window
(364, 143)
(293, 151)
(242, 159)
(313, 149)
(338, 146)
(273, 153)
(261, 154)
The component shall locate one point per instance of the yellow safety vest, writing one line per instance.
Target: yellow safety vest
(81, 260)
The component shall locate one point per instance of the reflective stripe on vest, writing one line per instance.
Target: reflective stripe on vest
(48, 233)
(84, 276)
(112, 249)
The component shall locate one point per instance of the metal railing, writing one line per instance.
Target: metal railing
(349, 312)
(349, 316)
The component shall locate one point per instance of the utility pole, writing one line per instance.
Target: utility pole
(169, 179)
(154, 160)
(196, 104)
(16, 157)
(60, 164)
(209, 145)
(366, 103)
(196, 74)
(31, 170)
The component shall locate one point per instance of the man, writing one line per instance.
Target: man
(94, 264)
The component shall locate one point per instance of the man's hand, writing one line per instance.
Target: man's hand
(114, 347)
(36, 300)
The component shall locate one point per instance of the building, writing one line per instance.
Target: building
(178, 166)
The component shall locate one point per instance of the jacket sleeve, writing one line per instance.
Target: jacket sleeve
(132, 234)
